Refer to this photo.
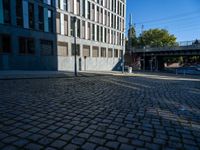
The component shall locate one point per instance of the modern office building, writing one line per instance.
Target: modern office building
(39, 34)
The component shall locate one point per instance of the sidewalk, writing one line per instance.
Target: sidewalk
(19, 74)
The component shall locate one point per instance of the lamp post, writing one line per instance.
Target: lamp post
(123, 53)
(75, 52)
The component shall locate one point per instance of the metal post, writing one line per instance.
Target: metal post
(75, 52)
(123, 53)
(144, 65)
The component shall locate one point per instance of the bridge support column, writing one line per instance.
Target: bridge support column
(160, 63)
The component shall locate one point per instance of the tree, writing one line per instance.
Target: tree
(157, 38)
(132, 39)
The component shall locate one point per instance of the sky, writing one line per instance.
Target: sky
(179, 17)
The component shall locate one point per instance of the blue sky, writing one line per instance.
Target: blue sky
(179, 17)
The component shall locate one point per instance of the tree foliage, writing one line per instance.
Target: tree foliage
(156, 38)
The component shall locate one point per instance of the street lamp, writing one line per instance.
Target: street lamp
(75, 52)
(123, 53)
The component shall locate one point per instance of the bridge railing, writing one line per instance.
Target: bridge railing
(186, 45)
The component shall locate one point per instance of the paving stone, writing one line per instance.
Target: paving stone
(78, 141)
(58, 144)
(21, 142)
(33, 146)
(97, 140)
(71, 147)
(102, 148)
(112, 144)
(126, 147)
(89, 146)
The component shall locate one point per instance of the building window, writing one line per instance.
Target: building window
(83, 8)
(78, 28)
(98, 33)
(101, 34)
(72, 26)
(95, 52)
(19, 13)
(88, 31)
(77, 49)
(46, 47)
(88, 11)
(26, 45)
(105, 35)
(78, 7)
(5, 44)
(83, 29)
(58, 3)
(6, 11)
(31, 15)
(41, 18)
(58, 23)
(110, 53)
(116, 53)
(50, 20)
(103, 52)
(86, 51)
(65, 5)
(62, 49)
(66, 25)
(93, 32)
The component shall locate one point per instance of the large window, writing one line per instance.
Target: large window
(77, 50)
(58, 23)
(46, 47)
(66, 25)
(41, 18)
(65, 5)
(88, 11)
(103, 52)
(62, 49)
(116, 52)
(26, 45)
(19, 13)
(83, 8)
(78, 28)
(5, 44)
(50, 20)
(6, 11)
(31, 15)
(72, 26)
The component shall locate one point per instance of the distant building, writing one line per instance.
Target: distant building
(38, 35)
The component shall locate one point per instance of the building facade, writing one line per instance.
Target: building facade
(39, 35)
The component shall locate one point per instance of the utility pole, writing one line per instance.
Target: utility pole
(75, 52)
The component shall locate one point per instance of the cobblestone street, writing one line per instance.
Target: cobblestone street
(100, 112)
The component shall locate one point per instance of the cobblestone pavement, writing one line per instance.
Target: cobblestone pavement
(100, 112)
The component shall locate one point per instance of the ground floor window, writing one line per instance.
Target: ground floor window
(95, 52)
(26, 45)
(86, 51)
(46, 47)
(62, 49)
(116, 53)
(5, 44)
(77, 49)
(110, 52)
(103, 52)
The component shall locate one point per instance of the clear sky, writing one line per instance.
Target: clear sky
(179, 17)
